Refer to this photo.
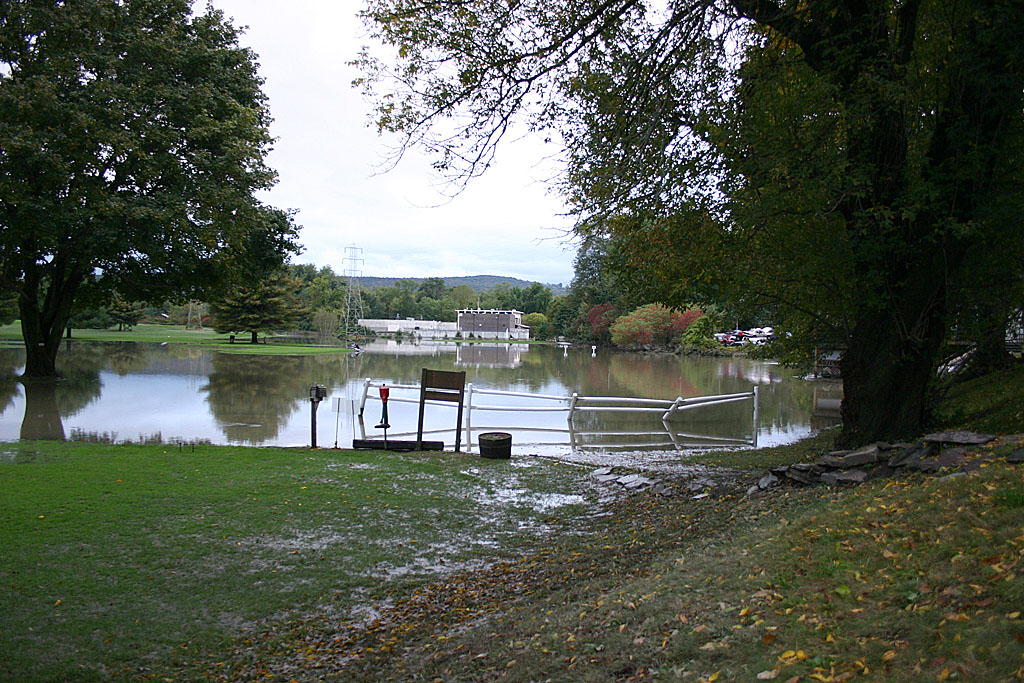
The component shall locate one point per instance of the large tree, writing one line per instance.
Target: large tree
(866, 138)
(132, 139)
(269, 305)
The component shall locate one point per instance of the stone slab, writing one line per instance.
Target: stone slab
(959, 438)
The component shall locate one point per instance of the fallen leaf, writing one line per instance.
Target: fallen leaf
(767, 675)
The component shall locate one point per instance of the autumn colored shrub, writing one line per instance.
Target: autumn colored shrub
(600, 318)
(651, 324)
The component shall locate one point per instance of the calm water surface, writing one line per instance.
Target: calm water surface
(150, 392)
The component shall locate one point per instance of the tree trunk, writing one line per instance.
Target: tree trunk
(254, 339)
(43, 320)
(890, 361)
(40, 349)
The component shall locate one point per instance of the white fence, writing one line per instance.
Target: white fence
(572, 406)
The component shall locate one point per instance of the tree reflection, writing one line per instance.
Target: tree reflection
(9, 363)
(42, 419)
(48, 401)
(251, 397)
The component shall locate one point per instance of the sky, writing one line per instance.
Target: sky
(508, 222)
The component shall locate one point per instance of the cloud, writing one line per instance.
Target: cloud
(505, 223)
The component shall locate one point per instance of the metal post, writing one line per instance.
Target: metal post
(757, 412)
(469, 418)
(313, 405)
(671, 409)
(572, 405)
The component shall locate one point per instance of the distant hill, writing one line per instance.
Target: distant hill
(478, 283)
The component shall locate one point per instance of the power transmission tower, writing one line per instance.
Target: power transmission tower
(353, 300)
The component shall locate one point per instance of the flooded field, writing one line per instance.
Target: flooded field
(171, 393)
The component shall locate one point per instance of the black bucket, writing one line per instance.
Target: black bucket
(496, 445)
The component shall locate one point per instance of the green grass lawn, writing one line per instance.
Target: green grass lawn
(133, 559)
(178, 334)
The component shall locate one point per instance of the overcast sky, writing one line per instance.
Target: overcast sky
(507, 223)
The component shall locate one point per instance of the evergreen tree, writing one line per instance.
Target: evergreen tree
(264, 307)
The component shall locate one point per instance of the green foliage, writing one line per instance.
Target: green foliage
(261, 307)
(91, 319)
(126, 314)
(8, 309)
(133, 136)
(700, 334)
(848, 167)
(538, 324)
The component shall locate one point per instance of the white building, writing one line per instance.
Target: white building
(428, 329)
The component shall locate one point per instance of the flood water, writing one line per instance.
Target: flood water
(172, 393)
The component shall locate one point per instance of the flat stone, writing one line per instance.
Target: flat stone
(868, 455)
(801, 476)
(701, 496)
(951, 457)
(1016, 457)
(832, 462)
(753, 489)
(605, 478)
(627, 479)
(912, 454)
(600, 472)
(923, 465)
(846, 477)
(767, 481)
(668, 492)
(959, 437)
(639, 483)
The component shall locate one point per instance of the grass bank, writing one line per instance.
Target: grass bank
(178, 334)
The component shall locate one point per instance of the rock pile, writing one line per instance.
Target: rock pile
(700, 486)
(933, 453)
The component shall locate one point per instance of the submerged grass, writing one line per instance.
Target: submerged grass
(122, 560)
(176, 333)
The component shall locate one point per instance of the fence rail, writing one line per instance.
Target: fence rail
(574, 404)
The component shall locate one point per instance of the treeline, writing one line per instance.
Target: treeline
(599, 308)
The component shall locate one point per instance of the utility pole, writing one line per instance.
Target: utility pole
(353, 300)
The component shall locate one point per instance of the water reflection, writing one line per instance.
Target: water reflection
(135, 391)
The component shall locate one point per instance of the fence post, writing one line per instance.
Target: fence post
(366, 389)
(572, 405)
(469, 417)
(671, 409)
(757, 412)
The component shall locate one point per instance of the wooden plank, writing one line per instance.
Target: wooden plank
(395, 445)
